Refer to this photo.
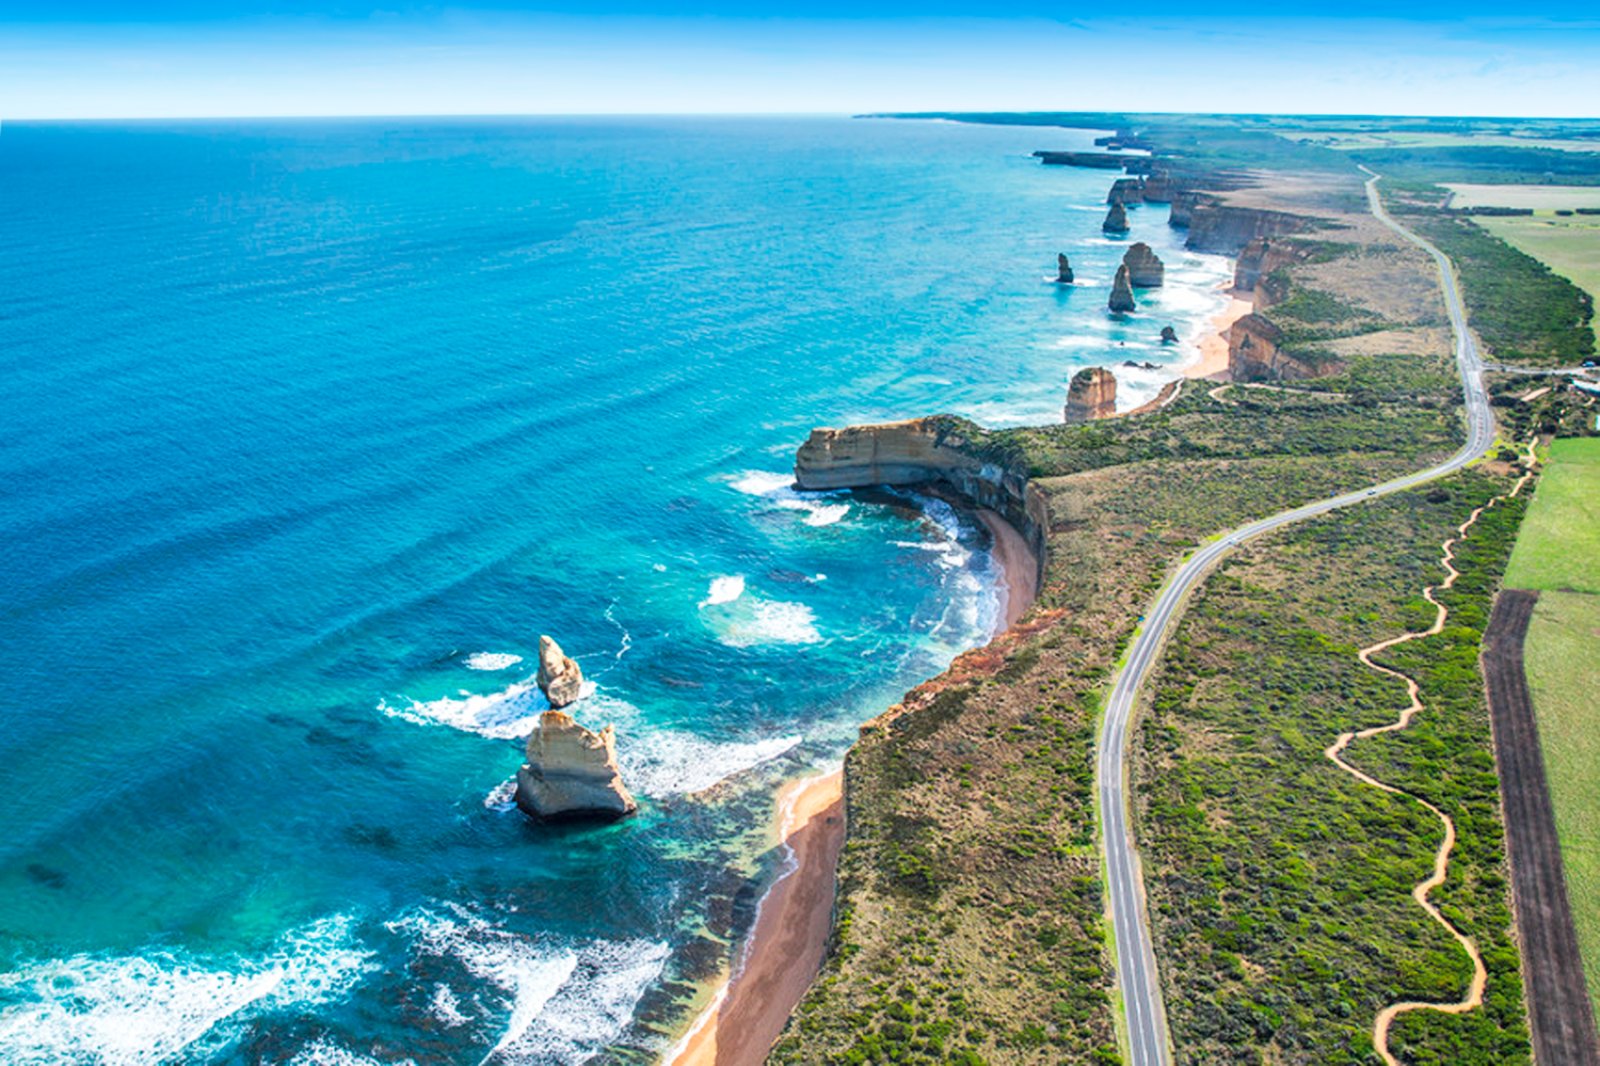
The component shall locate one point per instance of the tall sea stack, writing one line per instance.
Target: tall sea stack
(1091, 394)
(572, 773)
(1121, 301)
(559, 678)
(1144, 268)
(1116, 219)
(1063, 269)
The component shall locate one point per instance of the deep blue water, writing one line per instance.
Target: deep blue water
(308, 429)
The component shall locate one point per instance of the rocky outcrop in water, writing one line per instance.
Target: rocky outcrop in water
(1121, 301)
(1091, 394)
(1158, 188)
(559, 678)
(1126, 191)
(1169, 335)
(572, 773)
(1144, 268)
(1063, 269)
(1097, 160)
(1116, 219)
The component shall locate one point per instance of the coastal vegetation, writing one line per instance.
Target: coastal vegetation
(1525, 312)
(1567, 244)
(1283, 883)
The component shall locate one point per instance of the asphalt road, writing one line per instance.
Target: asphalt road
(1149, 1043)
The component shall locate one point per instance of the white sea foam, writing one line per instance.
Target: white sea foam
(323, 1052)
(557, 1002)
(780, 491)
(724, 590)
(504, 715)
(492, 660)
(113, 1010)
(503, 797)
(674, 763)
(771, 622)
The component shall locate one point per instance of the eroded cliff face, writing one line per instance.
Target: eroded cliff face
(935, 451)
(1254, 354)
(1126, 191)
(1258, 263)
(1092, 394)
(1215, 227)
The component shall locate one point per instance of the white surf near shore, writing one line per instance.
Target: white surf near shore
(156, 1006)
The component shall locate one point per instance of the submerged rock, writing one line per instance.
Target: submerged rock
(1121, 300)
(1063, 269)
(1092, 394)
(1144, 268)
(1169, 335)
(572, 773)
(559, 678)
(1116, 219)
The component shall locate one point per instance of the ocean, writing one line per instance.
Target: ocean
(308, 430)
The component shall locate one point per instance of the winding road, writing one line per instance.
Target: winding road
(1137, 977)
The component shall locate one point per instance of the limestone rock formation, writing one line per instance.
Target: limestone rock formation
(1258, 269)
(1092, 394)
(559, 678)
(1158, 188)
(1215, 227)
(942, 451)
(1116, 219)
(1144, 267)
(1063, 269)
(1121, 301)
(572, 773)
(1254, 354)
(1169, 335)
(1126, 191)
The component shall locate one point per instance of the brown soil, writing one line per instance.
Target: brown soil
(1552, 966)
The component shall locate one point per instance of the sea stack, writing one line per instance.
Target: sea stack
(1063, 269)
(1121, 301)
(572, 773)
(1092, 394)
(1169, 335)
(1116, 219)
(1126, 191)
(1144, 269)
(559, 678)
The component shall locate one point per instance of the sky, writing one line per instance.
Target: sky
(188, 58)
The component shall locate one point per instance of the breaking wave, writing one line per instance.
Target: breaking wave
(116, 1010)
(492, 660)
(547, 1001)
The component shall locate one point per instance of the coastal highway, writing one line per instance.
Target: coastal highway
(1137, 978)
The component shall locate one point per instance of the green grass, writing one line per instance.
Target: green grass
(1559, 549)
(1570, 246)
(1537, 197)
(1564, 673)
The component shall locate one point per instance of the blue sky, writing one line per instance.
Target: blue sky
(73, 59)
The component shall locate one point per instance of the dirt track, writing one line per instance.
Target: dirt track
(1558, 1002)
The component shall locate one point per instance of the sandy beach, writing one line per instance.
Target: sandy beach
(785, 949)
(1213, 362)
(1019, 570)
(790, 937)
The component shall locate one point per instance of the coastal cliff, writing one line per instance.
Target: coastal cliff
(1255, 353)
(1217, 227)
(938, 451)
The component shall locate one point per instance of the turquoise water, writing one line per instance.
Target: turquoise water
(309, 430)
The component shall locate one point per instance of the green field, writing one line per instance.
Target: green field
(1562, 657)
(1537, 197)
(1568, 245)
(1559, 549)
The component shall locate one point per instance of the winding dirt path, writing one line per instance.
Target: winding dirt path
(1441, 858)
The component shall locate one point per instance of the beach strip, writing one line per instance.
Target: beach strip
(786, 947)
(1212, 362)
